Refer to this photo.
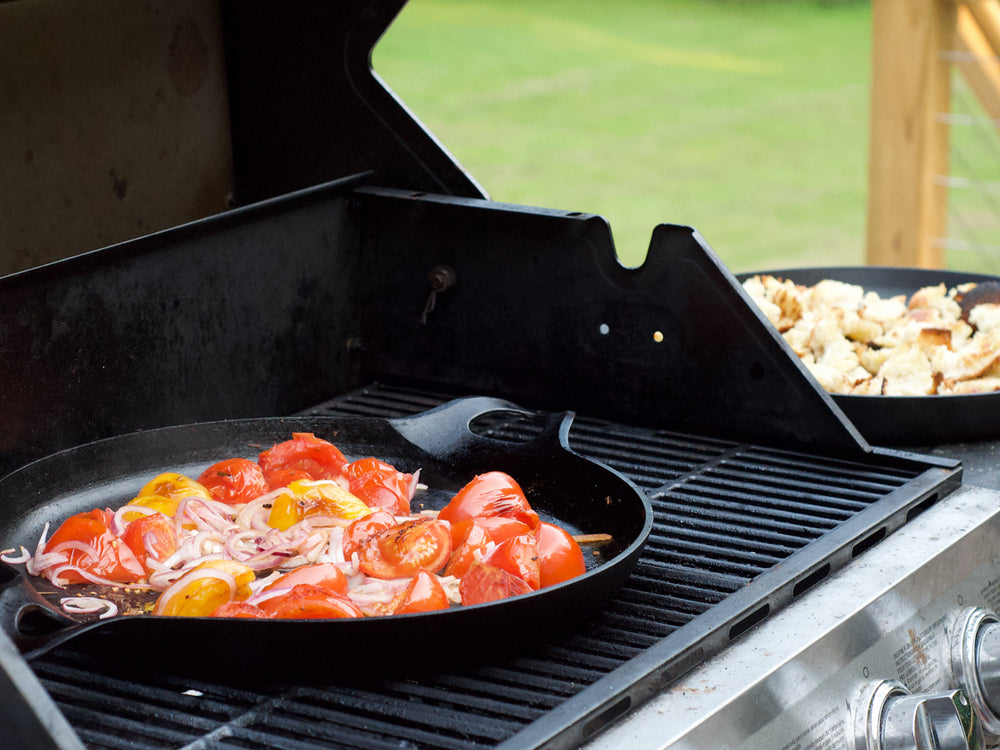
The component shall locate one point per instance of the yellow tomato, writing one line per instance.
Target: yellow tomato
(198, 593)
(307, 498)
(164, 505)
(175, 486)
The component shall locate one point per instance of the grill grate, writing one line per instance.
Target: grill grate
(725, 513)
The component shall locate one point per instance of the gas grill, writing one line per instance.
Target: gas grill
(365, 274)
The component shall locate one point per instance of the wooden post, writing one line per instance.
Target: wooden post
(909, 142)
(978, 36)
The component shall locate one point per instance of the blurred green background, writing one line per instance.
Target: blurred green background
(747, 120)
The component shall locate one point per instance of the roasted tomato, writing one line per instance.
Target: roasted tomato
(234, 481)
(326, 575)
(153, 535)
(241, 609)
(492, 494)
(204, 589)
(496, 528)
(423, 594)
(487, 583)
(401, 551)
(87, 542)
(174, 486)
(322, 497)
(559, 556)
(305, 452)
(380, 485)
(308, 602)
(518, 556)
(360, 530)
(284, 477)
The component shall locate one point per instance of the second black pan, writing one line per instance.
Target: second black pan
(908, 420)
(579, 494)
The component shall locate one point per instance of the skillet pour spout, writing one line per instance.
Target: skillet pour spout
(449, 445)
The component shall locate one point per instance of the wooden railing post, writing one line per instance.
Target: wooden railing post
(909, 142)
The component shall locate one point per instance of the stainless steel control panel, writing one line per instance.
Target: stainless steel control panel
(899, 650)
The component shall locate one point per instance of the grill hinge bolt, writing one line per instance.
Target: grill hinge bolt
(440, 278)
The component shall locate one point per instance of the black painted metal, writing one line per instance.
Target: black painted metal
(249, 313)
(306, 107)
(542, 311)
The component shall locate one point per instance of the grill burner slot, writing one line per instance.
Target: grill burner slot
(725, 514)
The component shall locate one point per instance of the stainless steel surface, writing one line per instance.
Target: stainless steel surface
(889, 717)
(793, 682)
(975, 663)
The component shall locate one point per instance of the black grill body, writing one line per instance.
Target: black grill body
(371, 276)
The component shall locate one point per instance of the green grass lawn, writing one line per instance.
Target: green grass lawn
(747, 120)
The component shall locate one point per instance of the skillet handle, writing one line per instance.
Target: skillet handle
(19, 607)
(446, 431)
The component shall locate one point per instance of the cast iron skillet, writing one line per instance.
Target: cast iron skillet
(908, 420)
(581, 495)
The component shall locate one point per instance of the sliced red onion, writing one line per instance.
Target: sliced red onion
(118, 522)
(89, 550)
(86, 605)
(16, 559)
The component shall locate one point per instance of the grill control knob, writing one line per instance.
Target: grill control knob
(975, 663)
(889, 717)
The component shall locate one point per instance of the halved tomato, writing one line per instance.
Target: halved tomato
(283, 477)
(234, 481)
(205, 588)
(559, 556)
(325, 575)
(518, 556)
(320, 497)
(305, 452)
(154, 534)
(88, 543)
(308, 602)
(401, 551)
(496, 528)
(380, 485)
(175, 486)
(488, 583)
(423, 594)
(492, 494)
(356, 534)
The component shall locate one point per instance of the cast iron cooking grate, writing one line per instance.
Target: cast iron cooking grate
(725, 514)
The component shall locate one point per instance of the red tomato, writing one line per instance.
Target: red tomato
(487, 583)
(359, 530)
(496, 528)
(240, 609)
(473, 546)
(154, 531)
(490, 494)
(518, 556)
(423, 594)
(306, 452)
(104, 555)
(283, 477)
(380, 485)
(308, 602)
(234, 481)
(325, 575)
(402, 550)
(559, 556)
